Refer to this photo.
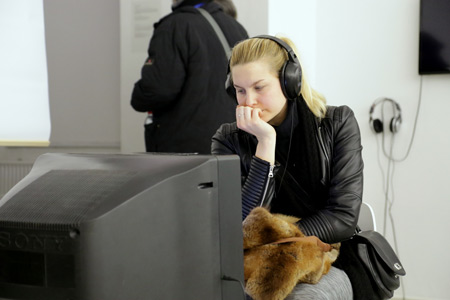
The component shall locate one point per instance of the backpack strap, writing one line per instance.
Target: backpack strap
(219, 32)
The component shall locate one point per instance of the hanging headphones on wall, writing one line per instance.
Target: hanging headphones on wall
(290, 73)
(377, 124)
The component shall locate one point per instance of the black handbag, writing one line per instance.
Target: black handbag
(380, 261)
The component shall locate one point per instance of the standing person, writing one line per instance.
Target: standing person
(298, 156)
(182, 79)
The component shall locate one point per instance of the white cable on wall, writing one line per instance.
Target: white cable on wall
(388, 174)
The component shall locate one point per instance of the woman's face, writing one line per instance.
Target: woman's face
(258, 87)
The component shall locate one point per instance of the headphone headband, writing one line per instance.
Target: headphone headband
(383, 99)
(290, 73)
(291, 53)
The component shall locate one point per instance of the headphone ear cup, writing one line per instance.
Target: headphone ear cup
(291, 79)
(394, 125)
(229, 87)
(377, 126)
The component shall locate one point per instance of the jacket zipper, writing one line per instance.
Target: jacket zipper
(271, 172)
(270, 175)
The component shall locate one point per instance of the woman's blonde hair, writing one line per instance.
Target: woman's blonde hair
(256, 49)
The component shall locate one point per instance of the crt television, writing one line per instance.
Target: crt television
(118, 226)
(434, 39)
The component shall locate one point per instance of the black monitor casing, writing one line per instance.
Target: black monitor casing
(117, 226)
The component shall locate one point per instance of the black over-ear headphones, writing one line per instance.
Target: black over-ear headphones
(290, 73)
(377, 124)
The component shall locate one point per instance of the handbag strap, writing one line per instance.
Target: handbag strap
(307, 239)
(288, 240)
(218, 31)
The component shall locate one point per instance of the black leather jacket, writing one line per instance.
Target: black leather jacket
(342, 172)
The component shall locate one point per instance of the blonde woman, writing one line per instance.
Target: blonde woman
(298, 156)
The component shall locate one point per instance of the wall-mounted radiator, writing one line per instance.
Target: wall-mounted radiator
(12, 173)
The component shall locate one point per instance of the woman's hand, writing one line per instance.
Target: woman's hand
(249, 120)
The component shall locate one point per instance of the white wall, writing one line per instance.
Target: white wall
(299, 26)
(82, 43)
(362, 50)
(253, 15)
(23, 82)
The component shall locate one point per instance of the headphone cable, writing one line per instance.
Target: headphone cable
(390, 156)
(390, 185)
(388, 180)
(289, 149)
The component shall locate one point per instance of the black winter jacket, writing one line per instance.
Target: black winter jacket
(342, 173)
(182, 80)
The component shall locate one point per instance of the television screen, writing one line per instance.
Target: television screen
(117, 226)
(434, 40)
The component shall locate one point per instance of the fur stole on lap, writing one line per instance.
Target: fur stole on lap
(273, 269)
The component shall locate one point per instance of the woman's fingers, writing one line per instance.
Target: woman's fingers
(248, 116)
(249, 120)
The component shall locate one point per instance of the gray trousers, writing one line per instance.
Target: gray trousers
(333, 286)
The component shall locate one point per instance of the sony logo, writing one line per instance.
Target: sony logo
(35, 242)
